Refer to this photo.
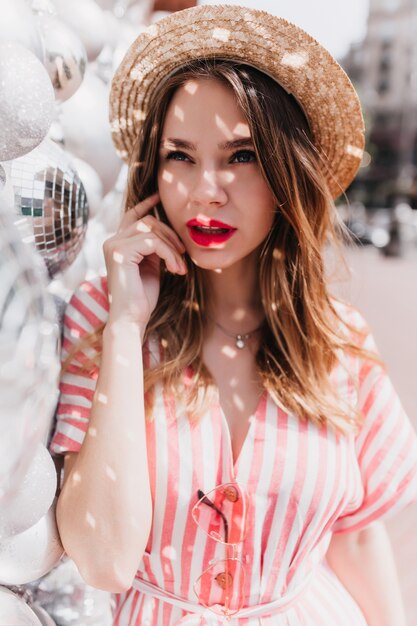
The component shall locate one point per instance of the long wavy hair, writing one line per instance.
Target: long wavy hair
(303, 334)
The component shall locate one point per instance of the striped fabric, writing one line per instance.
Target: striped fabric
(304, 484)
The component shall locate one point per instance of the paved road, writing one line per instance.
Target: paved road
(385, 291)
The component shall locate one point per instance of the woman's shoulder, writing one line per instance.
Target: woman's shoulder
(88, 306)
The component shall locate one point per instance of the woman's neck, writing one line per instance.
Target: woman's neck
(234, 297)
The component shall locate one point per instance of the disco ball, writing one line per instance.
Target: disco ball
(52, 198)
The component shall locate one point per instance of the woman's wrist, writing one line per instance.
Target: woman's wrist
(118, 327)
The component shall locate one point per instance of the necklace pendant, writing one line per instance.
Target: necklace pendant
(240, 342)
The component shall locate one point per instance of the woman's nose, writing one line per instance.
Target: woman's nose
(210, 187)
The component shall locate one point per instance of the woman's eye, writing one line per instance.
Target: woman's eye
(244, 156)
(176, 155)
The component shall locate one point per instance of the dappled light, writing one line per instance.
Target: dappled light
(102, 398)
(118, 257)
(110, 473)
(167, 176)
(238, 402)
(75, 478)
(90, 519)
(242, 129)
(122, 360)
(223, 127)
(191, 87)
(170, 552)
(295, 59)
(179, 113)
(228, 351)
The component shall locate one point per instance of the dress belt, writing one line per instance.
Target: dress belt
(195, 611)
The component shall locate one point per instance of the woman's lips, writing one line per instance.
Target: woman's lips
(209, 233)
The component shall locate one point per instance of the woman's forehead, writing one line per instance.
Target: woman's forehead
(206, 103)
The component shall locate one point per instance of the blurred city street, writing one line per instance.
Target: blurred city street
(384, 290)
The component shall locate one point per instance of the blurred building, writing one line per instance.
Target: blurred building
(384, 70)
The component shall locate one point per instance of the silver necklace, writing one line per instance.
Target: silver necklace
(240, 339)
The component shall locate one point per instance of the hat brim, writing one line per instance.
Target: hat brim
(273, 45)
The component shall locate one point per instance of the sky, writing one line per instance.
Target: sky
(334, 23)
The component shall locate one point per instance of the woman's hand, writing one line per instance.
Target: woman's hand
(132, 259)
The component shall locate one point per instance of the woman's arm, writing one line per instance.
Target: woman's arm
(104, 510)
(364, 562)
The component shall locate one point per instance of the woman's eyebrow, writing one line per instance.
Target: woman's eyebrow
(242, 142)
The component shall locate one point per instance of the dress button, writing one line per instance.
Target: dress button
(231, 493)
(224, 580)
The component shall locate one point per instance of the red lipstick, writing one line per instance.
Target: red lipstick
(209, 232)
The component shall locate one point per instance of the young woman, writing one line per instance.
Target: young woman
(231, 437)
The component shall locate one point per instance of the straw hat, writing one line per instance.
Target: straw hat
(278, 48)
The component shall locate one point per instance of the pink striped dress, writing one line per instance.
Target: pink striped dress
(304, 484)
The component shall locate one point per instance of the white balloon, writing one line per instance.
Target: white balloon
(65, 56)
(17, 24)
(31, 497)
(27, 101)
(87, 20)
(31, 554)
(84, 120)
(29, 355)
(45, 618)
(14, 611)
(92, 185)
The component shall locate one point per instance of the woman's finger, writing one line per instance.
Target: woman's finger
(138, 211)
(128, 250)
(151, 224)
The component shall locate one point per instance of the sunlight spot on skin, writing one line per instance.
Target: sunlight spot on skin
(233, 382)
(191, 87)
(222, 126)
(239, 315)
(117, 257)
(168, 177)
(203, 219)
(101, 397)
(110, 298)
(228, 177)
(229, 352)
(110, 473)
(242, 130)
(218, 270)
(90, 519)
(149, 243)
(134, 523)
(75, 333)
(130, 436)
(179, 113)
(143, 228)
(181, 188)
(170, 553)
(121, 360)
(277, 254)
(92, 432)
(76, 478)
(238, 402)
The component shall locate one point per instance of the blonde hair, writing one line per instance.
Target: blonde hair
(303, 332)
